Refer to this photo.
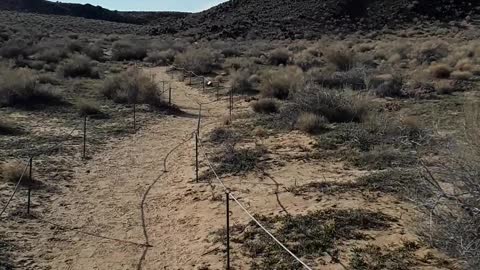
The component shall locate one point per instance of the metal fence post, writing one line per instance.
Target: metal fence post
(85, 137)
(170, 94)
(134, 117)
(30, 180)
(196, 157)
(228, 228)
(199, 119)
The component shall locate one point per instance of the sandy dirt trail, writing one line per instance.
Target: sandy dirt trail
(107, 195)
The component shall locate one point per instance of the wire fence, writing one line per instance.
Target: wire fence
(199, 147)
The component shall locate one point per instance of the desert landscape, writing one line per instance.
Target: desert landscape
(345, 135)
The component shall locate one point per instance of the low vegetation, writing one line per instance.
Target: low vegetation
(79, 66)
(125, 50)
(199, 61)
(265, 105)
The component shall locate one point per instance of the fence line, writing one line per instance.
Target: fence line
(227, 190)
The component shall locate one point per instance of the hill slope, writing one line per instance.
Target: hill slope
(312, 18)
(77, 10)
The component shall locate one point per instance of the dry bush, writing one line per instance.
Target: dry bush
(306, 60)
(162, 58)
(12, 171)
(241, 82)
(231, 52)
(311, 123)
(8, 128)
(440, 71)
(336, 106)
(453, 218)
(240, 63)
(15, 48)
(51, 55)
(355, 78)
(280, 84)
(392, 87)
(445, 87)
(461, 75)
(199, 61)
(342, 58)
(128, 50)
(279, 56)
(94, 51)
(266, 106)
(431, 51)
(88, 108)
(79, 66)
(19, 87)
(133, 86)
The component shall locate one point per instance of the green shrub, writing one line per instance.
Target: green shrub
(280, 84)
(266, 106)
(199, 61)
(128, 50)
(79, 66)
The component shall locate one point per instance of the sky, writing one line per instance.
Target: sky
(151, 5)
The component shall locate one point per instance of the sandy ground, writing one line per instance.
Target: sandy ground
(123, 211)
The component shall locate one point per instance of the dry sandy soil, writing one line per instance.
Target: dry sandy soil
(123, 211)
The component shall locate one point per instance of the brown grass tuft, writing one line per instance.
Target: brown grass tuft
(311, 123)
(266, 106)
(342, 58)
(440, 71)
(280, 84)
(79, 66)
(12, 171)
(461, 75)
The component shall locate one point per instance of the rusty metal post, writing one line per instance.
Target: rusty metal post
(30, 181)
(228, 228)
(84, 137)
(196, 157)
(170, 94)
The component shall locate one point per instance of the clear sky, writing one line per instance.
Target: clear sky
(151, 5)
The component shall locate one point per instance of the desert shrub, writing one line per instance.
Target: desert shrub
(231, 52)
(241, 82)
(161, 57)
(74, 46)
(48, 79)
(381, 258)
(461, 75)
(280, 84)
(222, 135)
(12, 171)
(128, 50)
(354, 78)
(231, 160)
(240, 63)
(51, 55)
(94, 51)
(431, 51)
(336, 106)
(440, 71)
(19, 87)
(265, 105)
(306, 60)
(342, 58)
(88, 108)
(8, 128)
(445, 87)
(382, 157)
(311, 123)
(79, 66)
(390, 88)
(133, 86)
(279, 56)
(199, 61)
(14, 48)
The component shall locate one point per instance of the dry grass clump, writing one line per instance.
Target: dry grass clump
(79, 66)
(88, 108)
(440, 71)
(266, 106)
(133, 86)
(335, 106)
(12, 171)
(391, 87)
(280, 56)
(431, 51)
(306, 60)
(8, 128)
(15, 48)
(94, 51)
(241, 82)
(445, 87)
(199, 61)
(461, 75)
(280, 84)
(19, 87)
(161, 57)
(51, 55)
(311, 123)
(341, 57)
(128, 50)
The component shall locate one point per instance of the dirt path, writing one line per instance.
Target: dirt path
(123, 199)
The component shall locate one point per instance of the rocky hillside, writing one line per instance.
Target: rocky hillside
(312, 18)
